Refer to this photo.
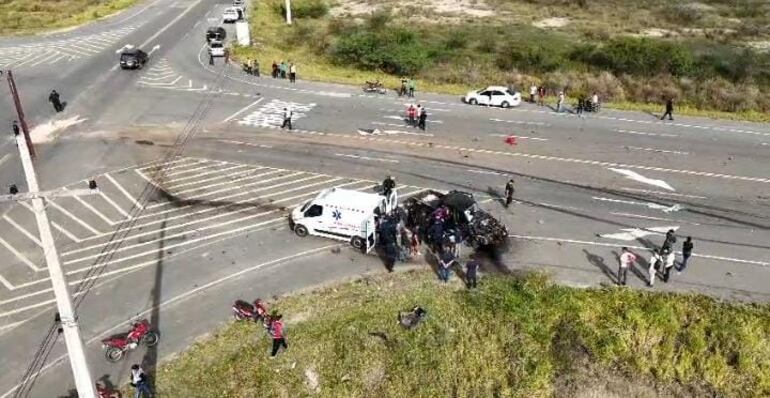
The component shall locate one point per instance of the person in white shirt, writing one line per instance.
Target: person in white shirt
(560, 104)
(626, 259)
(292, 74)
(287, 114)
(655, 261)
(669, 257)
(532, 93)
(594, 103)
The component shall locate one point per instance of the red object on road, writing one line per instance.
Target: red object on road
(116, 346)
(510, 140)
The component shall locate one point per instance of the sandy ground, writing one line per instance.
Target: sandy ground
(456, 8)
(556, 22)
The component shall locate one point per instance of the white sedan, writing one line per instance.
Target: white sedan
(231, 14)
(493, 96)
(216, 48)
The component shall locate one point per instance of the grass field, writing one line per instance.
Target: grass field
(31, 16)
(510, 338)
(452, 52)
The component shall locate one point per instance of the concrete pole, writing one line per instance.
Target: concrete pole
(75, 347)
(288, 12)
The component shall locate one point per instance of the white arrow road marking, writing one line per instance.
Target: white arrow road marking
(640, 178)
(391, 132)
(366, 158)
(120, 50)
(635, 233)
(654, 206)
(647, 191)
(156, 48)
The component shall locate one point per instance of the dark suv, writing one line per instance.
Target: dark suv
(217, 33)
(133, 59)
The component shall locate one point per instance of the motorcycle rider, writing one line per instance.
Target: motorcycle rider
(509, 190)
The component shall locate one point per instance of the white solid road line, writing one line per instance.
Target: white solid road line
(629, 215)
(180, 298)
(113, 204)
(657, 150)
(123, 191)
(7, 284)
(366, 158)
(615, 245)
(519, 122)
(72, 216)
(18, 255)
(654, 206)
(93, 210)
(21, 229)
(170, 24)
(224, 173)
(66, 233)
(246, 143)
(244, 109)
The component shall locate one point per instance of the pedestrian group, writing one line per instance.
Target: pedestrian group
(661, 262)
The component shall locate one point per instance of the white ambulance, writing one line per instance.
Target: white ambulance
(340, 214)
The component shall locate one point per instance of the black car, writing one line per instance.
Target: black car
(217, 33)
(133, 59)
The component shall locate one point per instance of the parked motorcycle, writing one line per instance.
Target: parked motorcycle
(374, 87)
(116, 346)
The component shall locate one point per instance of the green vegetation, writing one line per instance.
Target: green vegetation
(511, 338)
(705, 75)
(30, 16)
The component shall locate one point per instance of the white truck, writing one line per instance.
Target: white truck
(340, 214)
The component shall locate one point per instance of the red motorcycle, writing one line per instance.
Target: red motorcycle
(117, 345)
(243, 310)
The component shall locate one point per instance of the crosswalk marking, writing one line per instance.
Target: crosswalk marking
(216, 202)
(271, 113)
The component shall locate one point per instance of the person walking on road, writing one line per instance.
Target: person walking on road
(669, 241)
(411, 115)
(140, 382)
(276, 332)
(668, 262)
(656, 262)
(541, 96)
(581, 106)
(422, 117)
(669, 109)
(560, 102)
(15, 128)
(626, 260)
(274, 71)
(287, 114)
(471, 268)
(292, 73)
(509, 191)
(282, 69)
(55, 101)
(686, 253)
(532, 93)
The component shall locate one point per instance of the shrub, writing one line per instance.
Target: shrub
(529, 57)
(392, 50)
(304, 8)
(638, 56)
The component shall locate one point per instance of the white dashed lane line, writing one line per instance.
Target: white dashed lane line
(638, 148)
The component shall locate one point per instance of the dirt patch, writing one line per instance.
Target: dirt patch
(656, 32)
(555, 22)
(763, 45)
(458, 8)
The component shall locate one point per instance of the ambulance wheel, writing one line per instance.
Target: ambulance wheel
(300, 230)
(358, 243)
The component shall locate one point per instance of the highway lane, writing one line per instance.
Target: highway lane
(568, 202)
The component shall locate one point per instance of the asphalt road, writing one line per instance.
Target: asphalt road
(585, 186)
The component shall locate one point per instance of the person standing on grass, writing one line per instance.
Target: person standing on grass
(560, 102)
(626, 259)
(293, 73)
(276, 332)
(282, 69)
(274, 71)
(532, 93)
(287, 114)
(247, 66)
(227, 55)
(471, 268)
(686, 253)
(411, 85)
(140, 382)
(446, 260)
(669, 109)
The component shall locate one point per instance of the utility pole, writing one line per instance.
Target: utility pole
(69, 322)
(288, 12)
(20, 112)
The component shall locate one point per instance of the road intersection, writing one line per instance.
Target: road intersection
(209, 224)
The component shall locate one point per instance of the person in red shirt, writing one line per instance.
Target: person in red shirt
(411, 112)
(276, 330)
